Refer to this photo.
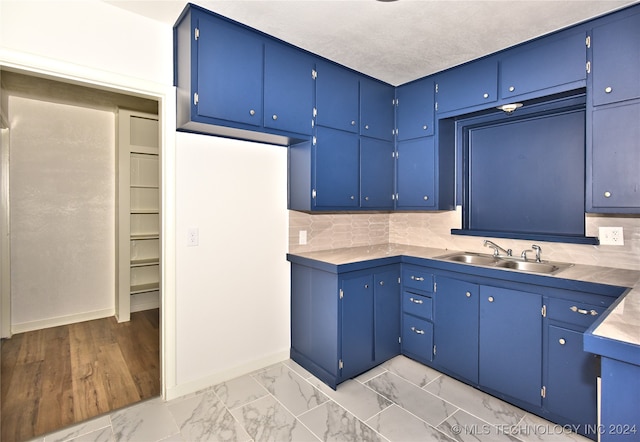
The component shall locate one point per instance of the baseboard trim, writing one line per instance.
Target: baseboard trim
(225, 375)
(61, 320)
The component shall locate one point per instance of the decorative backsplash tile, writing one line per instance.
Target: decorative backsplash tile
(433, 229)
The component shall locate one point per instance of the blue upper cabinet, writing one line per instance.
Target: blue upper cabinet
(616, 61)
(337, 97)
(288, 89)
(415, 109)
(242, 55)
(376, 109)
(469, 85)
(557, 63)
(336, 163)
(236, 82)
(416, 170)
(376, 173)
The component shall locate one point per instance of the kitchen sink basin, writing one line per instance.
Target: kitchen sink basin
(507, 263)
(469, 258)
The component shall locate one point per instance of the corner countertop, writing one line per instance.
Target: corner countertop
(620, 324)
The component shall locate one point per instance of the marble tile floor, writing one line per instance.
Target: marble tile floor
(400, 400)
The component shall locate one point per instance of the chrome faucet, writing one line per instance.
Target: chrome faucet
(496, 248)
(538, 250)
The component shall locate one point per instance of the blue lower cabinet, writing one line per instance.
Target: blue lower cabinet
(620, 413)
(456, 327)
(386, 310)
(357, 325)
(343, 324)
(571, 385)
(417, 338)
(510, 351)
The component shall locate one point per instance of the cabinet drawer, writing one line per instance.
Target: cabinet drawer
(416, 278)
(573, 312)
(417, 305)
(417, 338)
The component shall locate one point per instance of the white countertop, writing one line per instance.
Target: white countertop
(622, 323)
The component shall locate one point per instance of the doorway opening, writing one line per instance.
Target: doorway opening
(62, 174)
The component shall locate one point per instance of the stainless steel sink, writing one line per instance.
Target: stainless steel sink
(506, 263)
(469, 258)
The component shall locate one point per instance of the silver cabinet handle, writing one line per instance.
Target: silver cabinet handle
(275, 117)
(352, 197)
(582, 311)
(485, 95)
(381, 282)
(608, 89)
(426, 198)
(417, 331)
(425, 127)
(366, 198)
(607, 194)
(468, 294)
(366, 126)
(512, 88)
(562, 341)
(366, 286)
(416, 301)
(252, 112)
(490, 298)
(417, 278)
(353, 122)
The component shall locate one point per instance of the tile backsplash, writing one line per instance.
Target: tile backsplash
(433, 229)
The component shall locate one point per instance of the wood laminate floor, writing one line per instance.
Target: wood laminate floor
(59, 376)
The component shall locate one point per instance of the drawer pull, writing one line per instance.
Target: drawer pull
(417, 331)
(468, 294)
(582, 311)
(417, 278)
(416, 301)
(562, 341)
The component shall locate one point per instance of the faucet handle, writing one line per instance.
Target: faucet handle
(524, 254)
(538, 250)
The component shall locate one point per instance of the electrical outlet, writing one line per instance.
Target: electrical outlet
(611, 236)
(302, 237)
(193, 237)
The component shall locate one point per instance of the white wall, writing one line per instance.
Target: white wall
(62, 197)
(89, 33)
(232, 306)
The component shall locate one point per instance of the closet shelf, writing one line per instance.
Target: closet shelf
(141, 288)
(144, 262)
(145, 236)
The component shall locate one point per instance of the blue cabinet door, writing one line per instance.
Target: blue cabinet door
(337, 97)
(416, 171)
(288, 89)
(376, 173)
(376, 109)
(336, 161)
(456, 327)
(472, 84)
(615, 156)
(548, 63)
(229, 72)
(511, 343)
(357, 325)
(571, 389)
(415, 109)
(616, 61)
(386, 315)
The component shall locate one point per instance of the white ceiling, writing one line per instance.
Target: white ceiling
(394, 41)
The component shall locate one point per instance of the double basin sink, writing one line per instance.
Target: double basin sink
(506, 262)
